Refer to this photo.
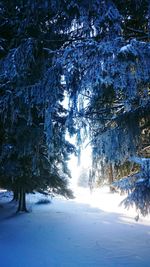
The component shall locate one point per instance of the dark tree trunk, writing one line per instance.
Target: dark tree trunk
(15, 195)
(111, 179)
(22, 200)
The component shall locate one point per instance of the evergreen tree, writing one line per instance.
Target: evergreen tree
(34, 151)
(107, 77)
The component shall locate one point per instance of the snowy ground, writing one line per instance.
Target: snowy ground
(90, 231)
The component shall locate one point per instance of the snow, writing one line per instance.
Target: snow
(89, 231)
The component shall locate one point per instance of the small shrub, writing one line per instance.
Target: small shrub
(43, 201)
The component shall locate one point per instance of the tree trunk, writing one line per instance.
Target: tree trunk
(22, 200)
(111, 179)
(15, 195)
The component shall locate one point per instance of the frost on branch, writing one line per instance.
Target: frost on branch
(113, 78)
(33, 121)
(138, 187)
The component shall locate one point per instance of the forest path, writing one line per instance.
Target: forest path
(73, 234)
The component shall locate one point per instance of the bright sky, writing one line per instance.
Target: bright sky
(85, 158)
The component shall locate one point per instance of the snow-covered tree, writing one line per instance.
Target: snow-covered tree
(34, 151)
(108, 81)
